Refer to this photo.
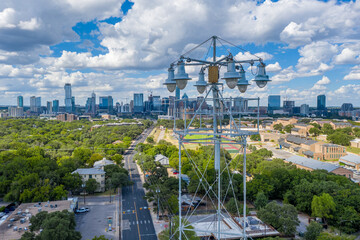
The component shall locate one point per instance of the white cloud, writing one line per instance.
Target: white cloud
(321, 84)
(295, 36)
(275, 67)
(354, 74)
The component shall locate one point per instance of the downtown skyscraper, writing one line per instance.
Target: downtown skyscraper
(68, 98)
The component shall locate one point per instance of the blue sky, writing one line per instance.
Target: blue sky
(120, 47)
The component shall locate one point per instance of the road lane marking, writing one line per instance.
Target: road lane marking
(137, 221)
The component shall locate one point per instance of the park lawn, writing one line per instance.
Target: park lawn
(155, 133)
(353, 150)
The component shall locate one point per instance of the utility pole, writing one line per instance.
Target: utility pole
(158, 205)
(234, 77)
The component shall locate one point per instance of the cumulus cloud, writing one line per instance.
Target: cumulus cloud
(274, 67)
(321, 84)
(149, 38)
(354, 74)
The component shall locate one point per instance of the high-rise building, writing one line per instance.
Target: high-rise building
(38, 104)
(165, 103)
(16, 111)
(73, 107)
(156, 103)
(345, 107)
(321, 102)
(273, 102)
(138, 102)
(240, 104)
(49, 107)
(55, 106)
(93, 103)
(304, 109)
(33, 104)
(90, 106)
(68, 98)
(20, 101)
(177, 93)
(288, 106)
(106, 103)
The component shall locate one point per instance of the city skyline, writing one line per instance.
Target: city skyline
(81, 46)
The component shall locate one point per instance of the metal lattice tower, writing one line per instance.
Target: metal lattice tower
(214, 106)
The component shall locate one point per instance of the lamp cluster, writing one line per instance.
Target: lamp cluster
(232, 77)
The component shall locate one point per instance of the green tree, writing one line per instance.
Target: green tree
(327, 129)
(95, 157)
(173, 204)
(283, 218)
(278, 127)
(72, 182)
(91, 185)
(255, 137)
(150, 140)
(261, 200)
(55, 225)
(314, 131)
(322, 206)
(83, 154)
(330, 236)
(190, 235)
(288, 128)
(117, 158)
(234, 205)
(340, 138)
(313, 230)
(101, 237)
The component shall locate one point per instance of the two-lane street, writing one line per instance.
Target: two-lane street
(136, 218)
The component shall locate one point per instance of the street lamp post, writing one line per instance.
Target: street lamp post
(233, 79)
(84, 191)
(158, 206)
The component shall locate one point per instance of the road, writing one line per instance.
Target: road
(135, 215)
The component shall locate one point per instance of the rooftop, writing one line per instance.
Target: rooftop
(86, 171)
(351, 158)
(163, 160)
(312, 163)
(103, 162)
(356, 140)
(20, 217)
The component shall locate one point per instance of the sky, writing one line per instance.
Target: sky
(117, 47)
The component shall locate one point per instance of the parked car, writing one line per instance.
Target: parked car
(82, 210)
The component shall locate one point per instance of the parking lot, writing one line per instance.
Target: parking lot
(96, 221)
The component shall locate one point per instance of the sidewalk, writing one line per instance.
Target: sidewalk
(159, 225)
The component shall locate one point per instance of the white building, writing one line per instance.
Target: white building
(92, 173)
(162, 159)
(102, 163)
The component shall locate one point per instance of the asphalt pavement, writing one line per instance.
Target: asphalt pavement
(136, 221)
(96, 221)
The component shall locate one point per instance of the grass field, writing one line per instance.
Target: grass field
(353, 150)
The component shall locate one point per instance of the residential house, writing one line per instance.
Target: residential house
(312, 164)
(163, 160)
(102, 163)
(92, 173)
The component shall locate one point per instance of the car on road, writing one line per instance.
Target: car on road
(82, 210)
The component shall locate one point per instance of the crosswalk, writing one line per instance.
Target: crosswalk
(139, 222)
(133, 211)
